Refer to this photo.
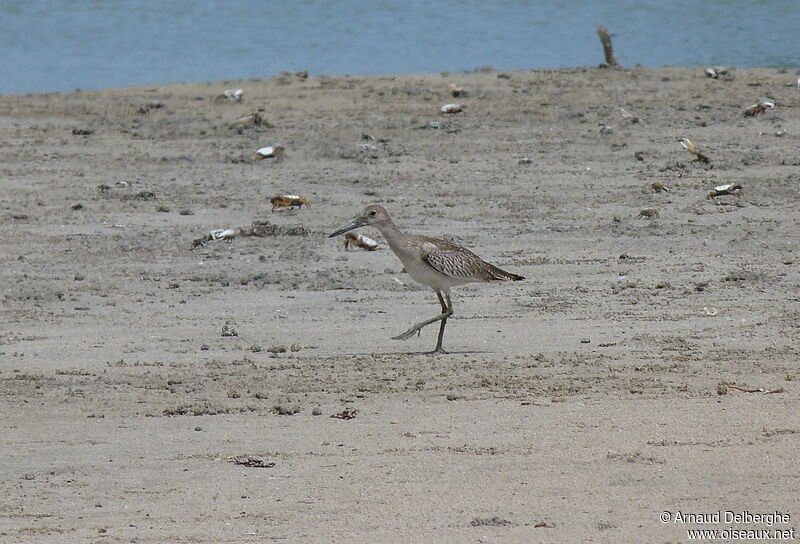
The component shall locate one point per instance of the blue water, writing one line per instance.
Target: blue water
(59, 45)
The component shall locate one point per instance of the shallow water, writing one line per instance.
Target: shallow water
(61, 45)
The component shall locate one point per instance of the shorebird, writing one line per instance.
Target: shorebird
(436, 263)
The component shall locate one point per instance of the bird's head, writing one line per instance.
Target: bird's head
(372, 215)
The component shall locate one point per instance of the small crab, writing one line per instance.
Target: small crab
(718, 72)
(359, 240)
(648, 213)
(761, 107)
(456, 91)
(288, 201)
(729, 189)
(250, 120)
(689, 146)
(659, 187)
(629, 116)
(270, 152)
(231, 95)
(219, 234)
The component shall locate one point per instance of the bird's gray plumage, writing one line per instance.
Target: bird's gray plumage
(436, 263)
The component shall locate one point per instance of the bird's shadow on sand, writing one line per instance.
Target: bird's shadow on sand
(418, 353)
(448, 352)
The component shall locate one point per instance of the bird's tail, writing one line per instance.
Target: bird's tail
(498, 274)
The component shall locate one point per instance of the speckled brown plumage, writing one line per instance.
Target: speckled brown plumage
(436, 263)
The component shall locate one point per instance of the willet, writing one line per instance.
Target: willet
(436, 263)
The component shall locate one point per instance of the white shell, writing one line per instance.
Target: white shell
(360, 240)
(290, 197)
(710, 72)
(233, 94)
(223, 234)
(267, 151)
(367, 241)
(765, 105)
(451, 108)
(728, 188)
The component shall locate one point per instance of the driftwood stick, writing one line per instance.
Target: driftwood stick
(605, 39)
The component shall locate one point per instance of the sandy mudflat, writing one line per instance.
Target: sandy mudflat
(574, 407)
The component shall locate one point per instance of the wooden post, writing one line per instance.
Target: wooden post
(605, 39)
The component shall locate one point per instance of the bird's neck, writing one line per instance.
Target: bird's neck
(390, 231)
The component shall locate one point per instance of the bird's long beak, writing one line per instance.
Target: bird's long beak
(354, 224)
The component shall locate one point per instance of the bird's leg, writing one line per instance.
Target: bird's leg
(446, 312)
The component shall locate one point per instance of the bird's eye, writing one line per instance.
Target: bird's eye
(372, 212)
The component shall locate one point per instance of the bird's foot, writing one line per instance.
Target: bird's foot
(439, 350)
(418, 327)
(409, 333)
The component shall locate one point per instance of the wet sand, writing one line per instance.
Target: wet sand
(575, 406)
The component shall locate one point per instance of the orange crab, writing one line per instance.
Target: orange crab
(288, 201)
(359, 240)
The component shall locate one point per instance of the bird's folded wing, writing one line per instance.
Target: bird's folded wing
(456, 264)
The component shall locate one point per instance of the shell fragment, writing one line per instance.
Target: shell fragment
(359, 240)
(728, 189)
(270, 152)
(230, 95)
(451, 108)
(761, 107)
